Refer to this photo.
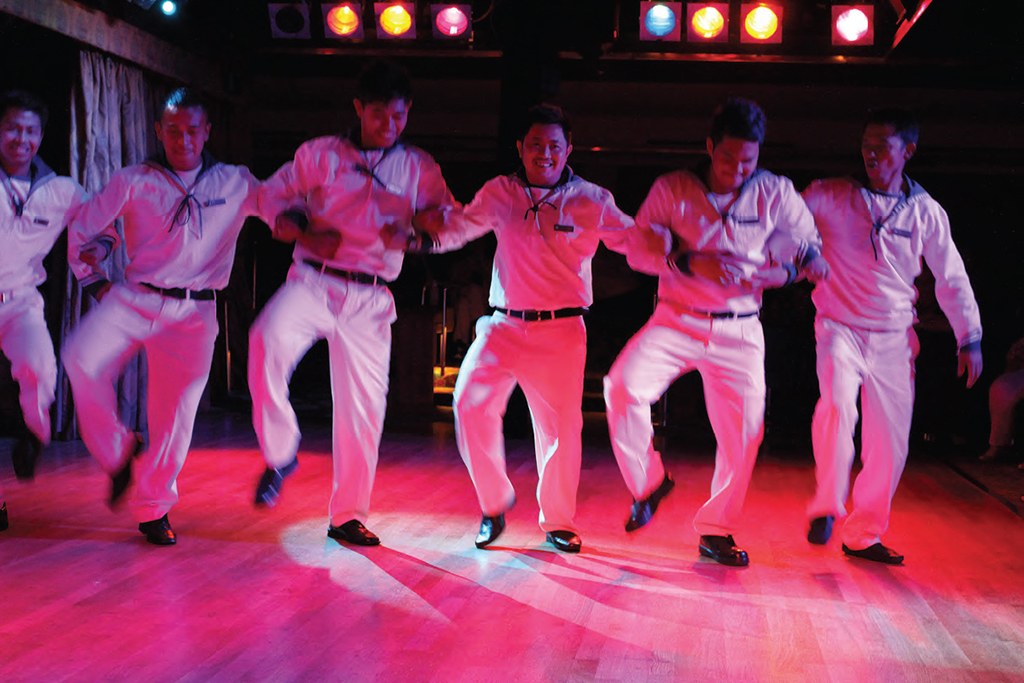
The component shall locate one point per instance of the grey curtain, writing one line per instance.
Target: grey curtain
(112, 112)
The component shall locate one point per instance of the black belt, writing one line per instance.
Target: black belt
(534, 316)
(719, 314)
(182, 293)
(354, 276)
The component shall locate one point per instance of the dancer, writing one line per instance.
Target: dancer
(875, 230)
(346, 195)
(732, 230)
(548, 223)
(182, 213)
(35, 208)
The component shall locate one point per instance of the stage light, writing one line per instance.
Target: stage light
(343, 20)
(853, 24)
(289, 19)
(762, 23)
(660, 20)
(451, 21)
(394, 19)
(707, 22)
(168, 7)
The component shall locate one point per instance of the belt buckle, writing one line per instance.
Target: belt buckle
(545, 315)
(4, 297)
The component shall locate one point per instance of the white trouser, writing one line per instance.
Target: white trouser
(729, 354)
(355, 319)
(1006, 392)
(880, 367)
(547, 359)
(178, 337)
(26, 342)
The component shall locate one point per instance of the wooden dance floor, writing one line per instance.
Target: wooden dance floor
(250, 595)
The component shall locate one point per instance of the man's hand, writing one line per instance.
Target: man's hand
(969, 361)
(102, 291)
(286, 228)
(394, 237)
(92, 253)
(323, 242)
(771, 277)
(718, 266)
(430, 221)
(817, 270)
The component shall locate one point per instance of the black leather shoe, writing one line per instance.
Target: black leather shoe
(820, 530)
(723, 550)
(269, 488)
(566, 541)
(24, 455)
(159, 532)
(643, 510)
(120, 481)
(490, 529)
(3, 517)
(875, 553)
(353, 532)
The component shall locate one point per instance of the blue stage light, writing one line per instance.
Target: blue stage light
(660, 20)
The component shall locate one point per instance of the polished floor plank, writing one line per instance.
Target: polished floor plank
(264, 595)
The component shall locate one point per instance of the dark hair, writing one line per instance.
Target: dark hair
(25, 101)
(903, 122)
(184, 98)
(738, 118)
(546, 114)
(382, 81)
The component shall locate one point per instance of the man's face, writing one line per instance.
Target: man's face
(732, 161)
(885, 154)
(184, 133)
(21, 132)
(544, 152)
(381, 123)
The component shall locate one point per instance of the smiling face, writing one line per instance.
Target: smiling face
(733, 160)
(885, 154)
(21, 132)
(544, 151)
(381, 123)
(184, 133)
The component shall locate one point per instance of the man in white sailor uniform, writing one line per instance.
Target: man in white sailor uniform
(548, 223)
(730, 229)
(875, 231)
(350, 194)
(34, 209)
(182, 214)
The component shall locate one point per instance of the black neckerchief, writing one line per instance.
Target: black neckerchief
(38, 173)
(903, 201)
(563, 180)
(354, 136)
(183, 214)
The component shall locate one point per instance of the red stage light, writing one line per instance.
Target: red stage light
(451, 21)
(707, 22)
(853, 25)
(762, 23)
(394, 19)
(343, 20)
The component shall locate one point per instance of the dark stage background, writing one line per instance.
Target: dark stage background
(633, 120)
